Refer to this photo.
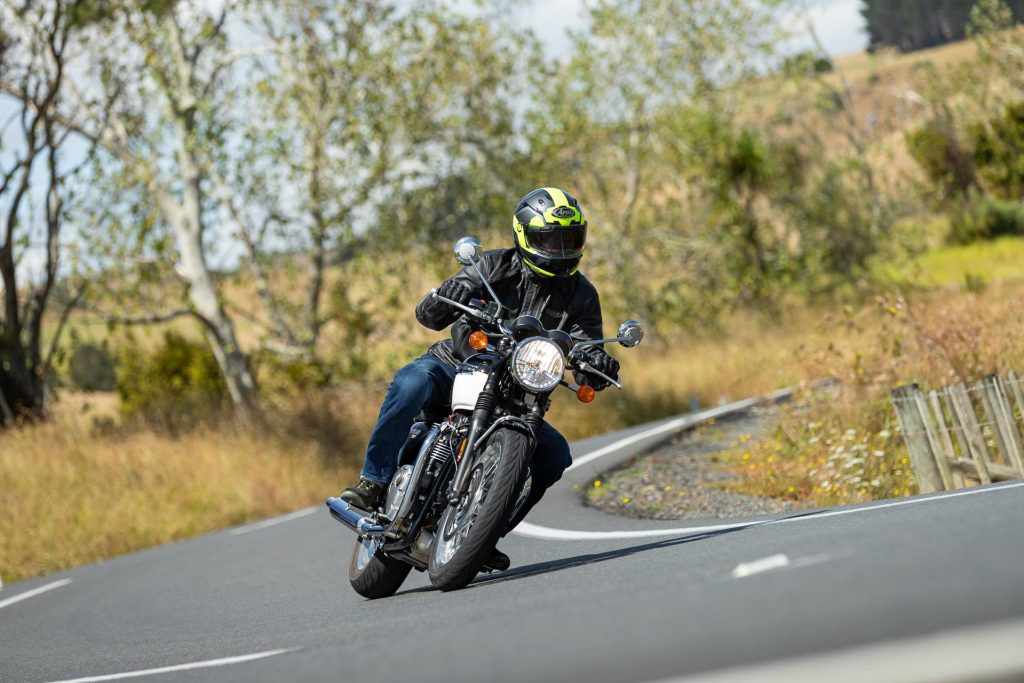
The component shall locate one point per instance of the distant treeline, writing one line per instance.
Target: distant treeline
(910, 25)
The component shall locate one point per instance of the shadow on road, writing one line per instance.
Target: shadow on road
(593, 558)
(580, 560)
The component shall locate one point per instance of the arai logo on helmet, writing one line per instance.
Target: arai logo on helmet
(563, 212)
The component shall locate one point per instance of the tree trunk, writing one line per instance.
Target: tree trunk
(187, 220)
(220, 329)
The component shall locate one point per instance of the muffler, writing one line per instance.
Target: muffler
(352, 517)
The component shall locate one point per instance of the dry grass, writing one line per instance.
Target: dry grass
(845, 447)
(72, 496)
(750, 353)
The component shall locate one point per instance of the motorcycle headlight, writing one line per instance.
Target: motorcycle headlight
(538, 364)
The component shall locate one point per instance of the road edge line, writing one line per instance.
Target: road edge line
(34, 592)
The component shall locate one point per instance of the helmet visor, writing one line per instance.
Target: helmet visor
(558, 241)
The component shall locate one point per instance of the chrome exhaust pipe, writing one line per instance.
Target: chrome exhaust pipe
(352, 518)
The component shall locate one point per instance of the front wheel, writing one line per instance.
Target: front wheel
(373, 574)
(469, 531)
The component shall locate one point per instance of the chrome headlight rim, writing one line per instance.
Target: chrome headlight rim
(556, 374)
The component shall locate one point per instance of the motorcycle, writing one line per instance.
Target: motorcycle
(462, 477)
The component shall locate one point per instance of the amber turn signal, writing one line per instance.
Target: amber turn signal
(478, 340)
(585, 394)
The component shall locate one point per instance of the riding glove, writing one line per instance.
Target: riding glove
(600, 360)
(456, 291)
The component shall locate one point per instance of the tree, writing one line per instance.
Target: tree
(626, 121)
(33, 59)
(152, 94)
(911, 25)
(361, 107)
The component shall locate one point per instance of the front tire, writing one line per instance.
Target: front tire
(469, 531)
(372, 574)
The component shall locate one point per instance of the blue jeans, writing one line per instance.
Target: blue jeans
(426, 384)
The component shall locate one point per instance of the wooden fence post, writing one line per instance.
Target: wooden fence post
(1009, 424)
(915, 435)
(958, 430)
(933, 439)
(994, 412)
(1018, 394)
(947, 442)
(968, 420)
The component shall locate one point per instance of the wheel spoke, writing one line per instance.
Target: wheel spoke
(461, 520)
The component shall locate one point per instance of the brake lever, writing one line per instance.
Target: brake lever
(587, 367)
(479, 315)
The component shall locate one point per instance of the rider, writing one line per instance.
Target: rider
(539, 277)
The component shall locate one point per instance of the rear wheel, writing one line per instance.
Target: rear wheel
(371, 573)
(469, 531)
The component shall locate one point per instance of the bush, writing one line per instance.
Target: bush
(807, 62)
(938, 152)
(278, 375)
(92, 369)
(986, 219)
(999, 152)
(177, 383)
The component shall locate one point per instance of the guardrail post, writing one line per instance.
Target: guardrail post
(912, 421)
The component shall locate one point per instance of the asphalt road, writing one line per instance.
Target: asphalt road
(589, 597)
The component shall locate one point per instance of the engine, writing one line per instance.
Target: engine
(411, 486)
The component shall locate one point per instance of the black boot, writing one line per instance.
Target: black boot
(366, 495)
(497, 562)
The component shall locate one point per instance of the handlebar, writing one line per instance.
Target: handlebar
(475, 312)
(497, 322)
(480, 315)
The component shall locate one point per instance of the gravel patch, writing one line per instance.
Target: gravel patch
(682, 480)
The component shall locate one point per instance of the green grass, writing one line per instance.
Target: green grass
(968, 266)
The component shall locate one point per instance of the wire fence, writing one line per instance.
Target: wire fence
(963, 435)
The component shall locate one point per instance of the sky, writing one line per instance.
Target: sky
(838, 23)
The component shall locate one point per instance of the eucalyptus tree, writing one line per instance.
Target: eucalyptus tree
(33, 192)
(360, 106)
(152, 88)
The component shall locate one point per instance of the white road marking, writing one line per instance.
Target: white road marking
(985, 652)
(548, 534)
(256, 526)
(34, 592)
(670, 426)
(745, 569)
(181, 667)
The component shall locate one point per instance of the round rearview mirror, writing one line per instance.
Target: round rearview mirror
(631, 333)
(467, 250)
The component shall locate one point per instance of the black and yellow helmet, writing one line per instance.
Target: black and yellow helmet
(550, 232)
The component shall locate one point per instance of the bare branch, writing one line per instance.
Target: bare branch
(152, 319)
(65, 315)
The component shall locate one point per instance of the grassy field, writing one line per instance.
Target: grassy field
(73, 493)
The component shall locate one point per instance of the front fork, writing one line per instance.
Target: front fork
(482, 413)
(481, 416)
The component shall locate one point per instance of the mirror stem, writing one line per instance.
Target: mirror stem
(487, 284)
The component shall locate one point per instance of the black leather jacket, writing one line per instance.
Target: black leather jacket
(569, 303)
